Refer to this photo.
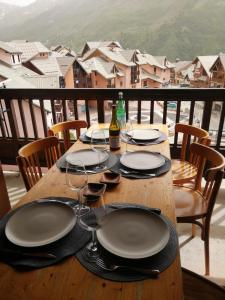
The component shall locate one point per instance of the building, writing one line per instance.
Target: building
(218, 72)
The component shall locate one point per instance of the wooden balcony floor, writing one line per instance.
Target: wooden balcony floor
(192, 254)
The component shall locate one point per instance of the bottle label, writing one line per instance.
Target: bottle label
(114, 142)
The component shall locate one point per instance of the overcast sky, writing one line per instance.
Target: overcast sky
(18, 2)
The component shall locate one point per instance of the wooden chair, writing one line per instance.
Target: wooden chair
(64, 128)
(195, 204)
(4, 198)
(197, 287)
(45, 151)
(185, 169)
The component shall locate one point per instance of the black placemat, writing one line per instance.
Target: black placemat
(141, 174)
(109, 163)
(163, 137)
(66, 246)
(87, 140)
(160, 261)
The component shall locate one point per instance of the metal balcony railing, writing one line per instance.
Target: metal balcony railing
(26, 114)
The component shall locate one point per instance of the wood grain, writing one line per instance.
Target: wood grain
(69, 280)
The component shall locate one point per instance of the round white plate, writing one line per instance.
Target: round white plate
(146, 134)
(88, 157)
(106, 132)
(142, 160)
(40, 223)
(133, 233)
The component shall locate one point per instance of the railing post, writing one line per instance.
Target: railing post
(207, 114)
(9, 104)
(100, 109)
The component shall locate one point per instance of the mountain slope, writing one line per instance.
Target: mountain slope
(173, 28)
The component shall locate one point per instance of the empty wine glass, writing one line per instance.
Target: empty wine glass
(127, 132)
(92, 221)
(99, 145)
(76, 182)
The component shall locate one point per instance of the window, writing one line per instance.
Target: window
(155, 70)
(145, 84)
(96, 82)
(13, 58)
(18, 57)
(121, 83)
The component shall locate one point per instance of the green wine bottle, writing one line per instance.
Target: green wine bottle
(120, 110)
(114, 131)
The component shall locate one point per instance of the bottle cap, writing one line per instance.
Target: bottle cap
(120, 94)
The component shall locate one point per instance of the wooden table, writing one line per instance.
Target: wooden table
(68, 279)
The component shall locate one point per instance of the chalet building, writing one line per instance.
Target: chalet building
(107, 64)
(167, 71)
(201, 72)
(183, 73)
(218, 72)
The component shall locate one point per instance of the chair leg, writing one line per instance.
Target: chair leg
(206, 246)
(193, 230)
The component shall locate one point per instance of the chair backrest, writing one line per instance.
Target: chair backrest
(191, 134)
(64, 128)
(197, 287)
(215, 163)
(4, 198)
(43, 152)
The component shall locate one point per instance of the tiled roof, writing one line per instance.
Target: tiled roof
(14, 80)
(147, 75)
(144, 59)
(116, 55)
(29, 49)
(181, 65)
(99, 44)
(162, 60)
(101, 66)
(47, 66)
(206, 62)
(8, 48)
(65, 63)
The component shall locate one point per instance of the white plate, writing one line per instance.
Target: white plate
(88, 157)
(40, 223)
(146, 134)
(142, 160)
(106, 131)
(133, 233)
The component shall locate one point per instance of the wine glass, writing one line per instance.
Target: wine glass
(99, 145)
(92, 222)
(76, 182)
(127, 132)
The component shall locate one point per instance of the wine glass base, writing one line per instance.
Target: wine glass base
(82, 210)
(92, 251)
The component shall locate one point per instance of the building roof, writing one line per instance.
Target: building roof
(8, 48)
(221, 58)
(47, 66)
(206, 62)
(100, 65)
(65, 63)
(164, 61)
(63, 51)
(29, 49)
(147, 75)
(13, 79)
(182, 65)
(116, 55)
(144, 59)
(94, 45)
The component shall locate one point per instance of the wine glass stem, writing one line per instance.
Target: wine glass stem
(94, 244)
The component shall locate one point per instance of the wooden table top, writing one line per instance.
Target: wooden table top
(68, 279)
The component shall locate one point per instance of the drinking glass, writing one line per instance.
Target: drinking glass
(92, 222)
(76, 182)
(99, 145)
(127, 132)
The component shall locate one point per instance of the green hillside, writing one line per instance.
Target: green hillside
(175, 28)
